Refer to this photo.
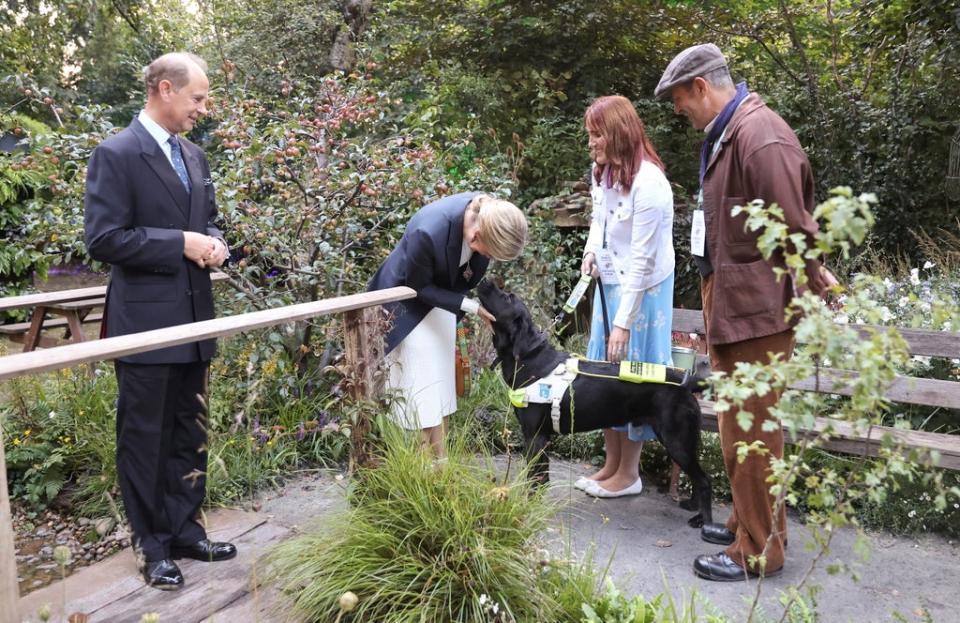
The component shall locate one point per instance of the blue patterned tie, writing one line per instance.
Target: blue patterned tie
(178, 164)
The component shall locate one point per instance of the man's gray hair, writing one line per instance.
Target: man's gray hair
(175, 67)
(719, 78)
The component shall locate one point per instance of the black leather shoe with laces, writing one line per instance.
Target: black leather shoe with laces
(163, 574)
(717, 533)
(722, 568)
(205, 550)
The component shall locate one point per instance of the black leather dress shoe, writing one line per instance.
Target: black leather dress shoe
(205, 550)
(722, 568)
(717, 533)
(163, 574)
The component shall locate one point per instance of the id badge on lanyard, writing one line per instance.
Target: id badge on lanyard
(698, 229)
(698, 226)
(608, 271)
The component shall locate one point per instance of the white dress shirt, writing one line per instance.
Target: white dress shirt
(639, 235)
(158, 133)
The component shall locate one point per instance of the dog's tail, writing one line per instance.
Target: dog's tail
(696, 381)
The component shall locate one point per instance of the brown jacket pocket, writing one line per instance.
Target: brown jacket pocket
(735, 227)
(747, 289)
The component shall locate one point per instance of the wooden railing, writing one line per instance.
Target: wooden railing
(360, 344)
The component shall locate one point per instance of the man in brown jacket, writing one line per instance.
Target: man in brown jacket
(749, 153)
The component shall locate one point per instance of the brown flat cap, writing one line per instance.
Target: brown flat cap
(695, 61)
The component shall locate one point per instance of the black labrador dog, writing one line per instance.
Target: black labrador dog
(526, 355)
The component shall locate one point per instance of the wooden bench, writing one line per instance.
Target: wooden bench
(17, 332)
(64, 308)
(904, 389)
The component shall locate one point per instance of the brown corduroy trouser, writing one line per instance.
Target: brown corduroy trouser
(752, 518)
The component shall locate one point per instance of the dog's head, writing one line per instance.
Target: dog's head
(514, 332)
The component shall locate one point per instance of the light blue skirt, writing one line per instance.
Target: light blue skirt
(649, 336)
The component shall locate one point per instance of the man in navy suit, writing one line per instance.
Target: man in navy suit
(149, 212)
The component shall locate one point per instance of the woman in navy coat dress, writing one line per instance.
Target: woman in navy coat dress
(444, 252)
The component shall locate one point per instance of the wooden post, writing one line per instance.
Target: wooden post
(9, 593)
(363, 352)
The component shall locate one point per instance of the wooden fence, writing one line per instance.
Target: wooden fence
(359, 317)
(903, 389)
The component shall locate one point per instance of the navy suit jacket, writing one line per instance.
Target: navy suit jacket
(135, 211)
(427, 259)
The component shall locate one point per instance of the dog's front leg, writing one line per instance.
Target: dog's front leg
(535, 439)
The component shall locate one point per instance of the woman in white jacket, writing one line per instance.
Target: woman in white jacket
(631, 248)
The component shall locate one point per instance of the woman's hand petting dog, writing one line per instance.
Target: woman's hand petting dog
(486, 315)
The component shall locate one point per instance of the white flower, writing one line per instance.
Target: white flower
(661, 320)
(928, 265)
(885, 314)
(52, 414)
(842, 319)
(483, 599)
(902, 301)
(912, 514)
(915, 276)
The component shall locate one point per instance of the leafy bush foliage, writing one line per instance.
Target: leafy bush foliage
(452, 541)
(59, 431)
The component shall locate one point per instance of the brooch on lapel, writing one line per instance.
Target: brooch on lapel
(467, 272)
(207, 181)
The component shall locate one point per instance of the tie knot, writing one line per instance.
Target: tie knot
(174, 143)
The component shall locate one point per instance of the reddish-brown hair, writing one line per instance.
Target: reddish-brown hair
(626, 145)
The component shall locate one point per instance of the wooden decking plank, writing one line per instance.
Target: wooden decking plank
(116, 577)
(209, 587)
(259, 607)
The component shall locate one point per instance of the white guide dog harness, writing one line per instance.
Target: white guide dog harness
(551, 388)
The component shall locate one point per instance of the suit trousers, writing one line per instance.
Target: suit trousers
(162, 452)
(752, 520)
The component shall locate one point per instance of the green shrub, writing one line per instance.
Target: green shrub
(58, 435)
(59, 430)
(454, 541)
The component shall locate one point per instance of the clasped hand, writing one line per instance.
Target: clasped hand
(205, 251)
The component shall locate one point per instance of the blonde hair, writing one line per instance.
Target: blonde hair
(503, 227)
(173, 66)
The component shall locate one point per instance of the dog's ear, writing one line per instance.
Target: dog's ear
(499, 339)
(524, 335)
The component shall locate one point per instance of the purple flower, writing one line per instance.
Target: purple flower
(301, 431)
(260, 435)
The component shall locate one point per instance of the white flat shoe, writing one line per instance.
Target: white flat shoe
(583, 483)
(597, 491)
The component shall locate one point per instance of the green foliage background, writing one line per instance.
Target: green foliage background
(318, 169)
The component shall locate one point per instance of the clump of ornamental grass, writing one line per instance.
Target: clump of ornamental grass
(422, 540)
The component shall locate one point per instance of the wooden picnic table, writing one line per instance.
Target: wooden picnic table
(70, 308)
